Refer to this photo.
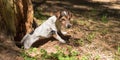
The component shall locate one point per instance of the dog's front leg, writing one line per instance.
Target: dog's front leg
(56, 35)
(29, 41)
(63, 32)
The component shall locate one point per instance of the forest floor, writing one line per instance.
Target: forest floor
(95, 34)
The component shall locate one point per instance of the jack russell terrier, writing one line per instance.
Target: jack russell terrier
(51, 27)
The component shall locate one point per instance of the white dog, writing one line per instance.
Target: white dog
(51, 27)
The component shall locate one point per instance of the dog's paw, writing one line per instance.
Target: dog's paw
(63, 41)
(64, 32)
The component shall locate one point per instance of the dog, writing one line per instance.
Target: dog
(51, 27)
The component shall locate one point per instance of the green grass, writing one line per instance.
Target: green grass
(97, 57)
(74, 22)
(79, 42)
(94, 11)
(31, 50)
(119, 49)
(84, 58)
(104, 31)
(117, 55)
(40, 16)
(104, 18)
(90, 37)
(59, 55)
(27, 57)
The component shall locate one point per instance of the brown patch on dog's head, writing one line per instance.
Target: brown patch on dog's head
(64, 17)
(63, 13)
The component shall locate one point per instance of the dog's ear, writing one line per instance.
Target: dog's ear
(70, 15)
(58, 14)
(63, 13)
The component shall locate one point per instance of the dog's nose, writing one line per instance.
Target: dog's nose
(68, 26)
(52, 32)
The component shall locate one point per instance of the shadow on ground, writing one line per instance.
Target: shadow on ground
(82, 8)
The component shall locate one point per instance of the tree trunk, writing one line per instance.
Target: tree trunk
(16, 19)
(8, 49)
(24, 18)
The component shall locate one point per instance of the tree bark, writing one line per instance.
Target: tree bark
(8, 49)
(24, 13)
(16, 19)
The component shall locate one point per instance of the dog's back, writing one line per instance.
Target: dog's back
(45, 28)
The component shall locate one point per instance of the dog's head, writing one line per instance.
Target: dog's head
(64, 17)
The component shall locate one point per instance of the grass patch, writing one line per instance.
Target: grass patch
(119, 49)
(82, 22)
(94, 11)
(79, 42)
(90, 37)
(97, 57)
(84, 57)
(27, 57)
(59, 55)
(74, 22)
(40, 16)
(104, 18)
(117, 55)
(105, 31)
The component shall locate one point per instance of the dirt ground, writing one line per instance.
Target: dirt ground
(95, 30)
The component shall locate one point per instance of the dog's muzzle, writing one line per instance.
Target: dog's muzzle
(68, 25)
(52, 32)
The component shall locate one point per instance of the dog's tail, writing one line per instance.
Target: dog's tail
(24, 38)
